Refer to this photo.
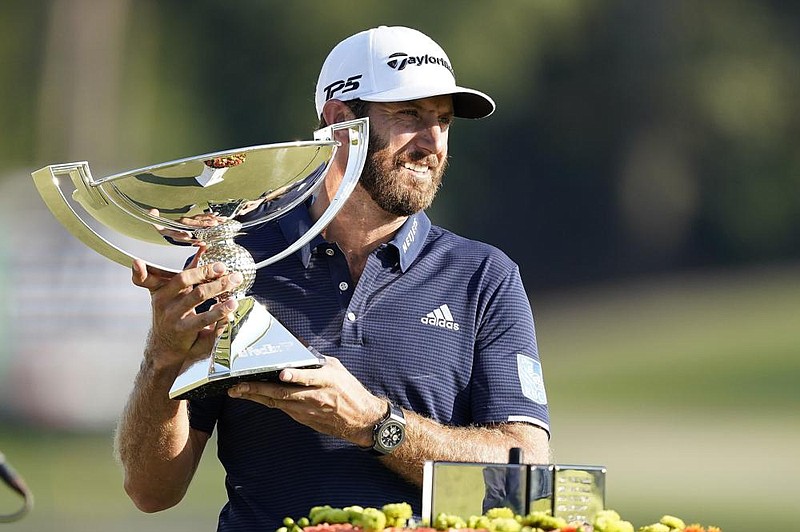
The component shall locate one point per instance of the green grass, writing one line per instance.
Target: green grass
(686, 389)
(77, 486)
(717, 343)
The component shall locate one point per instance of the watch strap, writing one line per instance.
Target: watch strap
(388, 433)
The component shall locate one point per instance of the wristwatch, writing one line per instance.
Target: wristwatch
(389, 432)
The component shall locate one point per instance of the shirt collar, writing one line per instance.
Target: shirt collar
(409, 239)
(294, 224)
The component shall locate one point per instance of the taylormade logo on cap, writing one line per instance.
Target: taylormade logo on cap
(394, 64)
(400, 60)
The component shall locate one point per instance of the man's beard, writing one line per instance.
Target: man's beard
(382, 180)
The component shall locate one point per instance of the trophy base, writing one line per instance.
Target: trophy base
(254, 347)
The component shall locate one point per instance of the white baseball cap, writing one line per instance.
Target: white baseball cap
(394, 64)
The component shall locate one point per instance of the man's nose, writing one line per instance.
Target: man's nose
(432, 138)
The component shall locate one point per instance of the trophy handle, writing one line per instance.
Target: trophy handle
(46, 181)
(356, 157)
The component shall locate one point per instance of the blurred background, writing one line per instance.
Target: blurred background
(643, 168)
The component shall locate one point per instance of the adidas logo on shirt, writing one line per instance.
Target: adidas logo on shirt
(440, 317)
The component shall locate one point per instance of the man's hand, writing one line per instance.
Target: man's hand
(332, 401)
(179, 334)
(329, 399)
(187, 237)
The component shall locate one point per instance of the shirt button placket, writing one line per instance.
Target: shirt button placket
(350, 333)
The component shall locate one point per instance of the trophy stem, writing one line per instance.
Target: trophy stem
(250, 323)
(253, 345)
(220, 247)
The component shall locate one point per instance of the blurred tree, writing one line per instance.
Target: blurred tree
(629, 138)
(20, 77)
(79, 99)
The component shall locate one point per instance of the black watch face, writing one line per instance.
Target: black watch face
(391, 435)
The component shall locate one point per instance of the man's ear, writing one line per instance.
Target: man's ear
(336, 111)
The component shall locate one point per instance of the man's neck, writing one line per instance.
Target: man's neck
(359, 228)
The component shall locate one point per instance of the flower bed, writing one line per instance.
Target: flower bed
(397, 517)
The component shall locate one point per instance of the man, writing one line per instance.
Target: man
(429, 336)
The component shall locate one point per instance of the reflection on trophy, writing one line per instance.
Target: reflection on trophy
(198, 199)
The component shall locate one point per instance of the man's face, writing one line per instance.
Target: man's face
(407, 153)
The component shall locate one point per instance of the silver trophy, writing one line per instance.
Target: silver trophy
(198, 199)
(575, 493)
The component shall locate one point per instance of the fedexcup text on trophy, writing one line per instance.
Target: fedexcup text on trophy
(265, 349)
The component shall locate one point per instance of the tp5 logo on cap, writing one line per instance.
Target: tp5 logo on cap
(357, 68)
(344, 85)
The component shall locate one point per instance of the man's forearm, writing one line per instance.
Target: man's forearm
(154, 443)
(428, 440)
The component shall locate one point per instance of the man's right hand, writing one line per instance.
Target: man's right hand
(206, 219)
(179, 334)
(158, 449)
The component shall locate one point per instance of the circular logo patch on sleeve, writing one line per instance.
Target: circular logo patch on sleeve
(531, 379)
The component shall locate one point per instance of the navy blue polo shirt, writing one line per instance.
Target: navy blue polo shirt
(439, 324)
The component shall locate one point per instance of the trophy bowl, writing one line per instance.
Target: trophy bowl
(180, 203)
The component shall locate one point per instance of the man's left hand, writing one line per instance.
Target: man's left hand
(329, 399)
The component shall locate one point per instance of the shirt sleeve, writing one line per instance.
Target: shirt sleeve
(508, 383)
(203, 413)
